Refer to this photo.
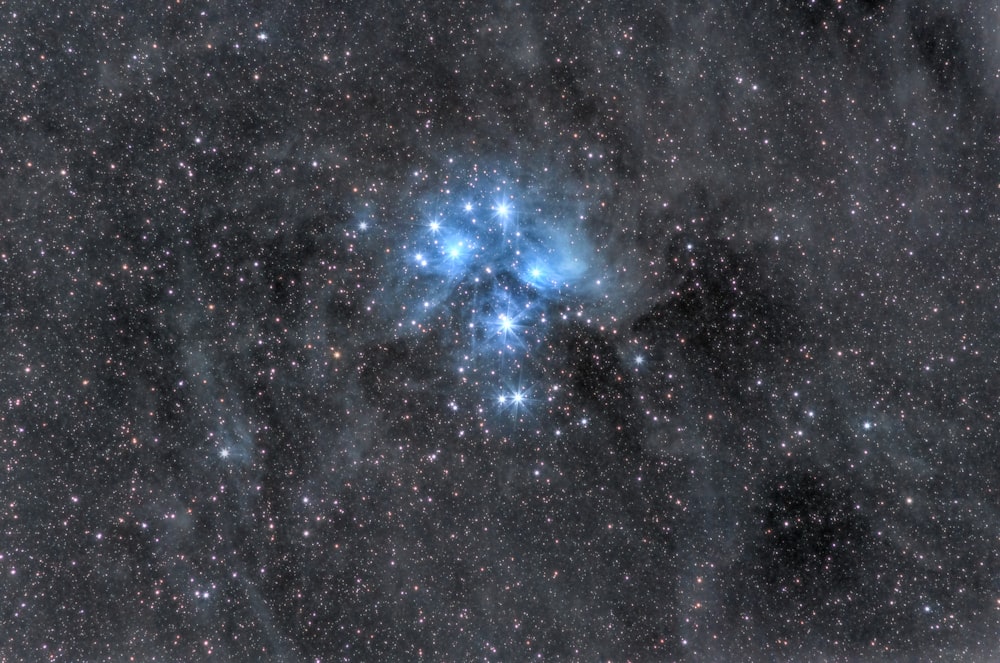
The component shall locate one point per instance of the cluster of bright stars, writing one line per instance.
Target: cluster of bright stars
(478, 248)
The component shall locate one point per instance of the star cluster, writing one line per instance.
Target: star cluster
(489, 275)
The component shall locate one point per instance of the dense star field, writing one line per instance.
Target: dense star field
(500, 331)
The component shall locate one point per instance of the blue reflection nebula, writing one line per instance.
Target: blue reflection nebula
(493, 263)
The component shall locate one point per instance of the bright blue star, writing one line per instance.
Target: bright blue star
(515, 399)
(507, 324)
(538, 276)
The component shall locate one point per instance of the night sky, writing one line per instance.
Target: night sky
(500, 331)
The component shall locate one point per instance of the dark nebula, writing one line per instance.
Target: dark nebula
(500, 331)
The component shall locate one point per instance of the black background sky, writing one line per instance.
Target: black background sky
(502, 331)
